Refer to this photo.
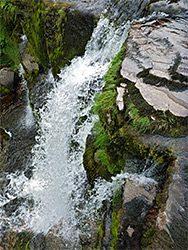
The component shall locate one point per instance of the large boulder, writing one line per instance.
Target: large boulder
(156, 61)
(156, 65)
(7, 78)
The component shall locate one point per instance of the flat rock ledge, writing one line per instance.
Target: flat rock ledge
(157, 62)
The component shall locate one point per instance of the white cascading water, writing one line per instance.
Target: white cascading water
(59, 180)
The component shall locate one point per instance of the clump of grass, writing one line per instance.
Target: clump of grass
(142, 124)
(9, 48)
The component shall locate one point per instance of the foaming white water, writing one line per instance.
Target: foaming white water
(59, 181)
(59, 152)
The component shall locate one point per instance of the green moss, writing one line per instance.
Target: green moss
(8, 46)
(93, 163)
(100, 233)
(161, 200)
(56, 17)
(3, 90)
(33, 27)
(117, 200)
(148, 236)
(31, 76)
(105, 104)
(55, 33)
(102, 138)
(142, 124)
(114, 229)
(114, 71)
(143, 118)
(115, 217)
(156, 239)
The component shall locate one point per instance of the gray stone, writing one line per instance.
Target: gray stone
(130, 231)
(119, 98)
(163, 99)
(158, 49)
(7, 78)
(137, 188)
(174, 219)
(30, 64)
(172, 8)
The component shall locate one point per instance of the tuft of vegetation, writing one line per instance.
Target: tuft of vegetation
(9, 48)
(33, 27)
(114, 71)
(3, 90)
(105, 103)
(100, 233)
(148, 236)
(114, 229)
(142, 124)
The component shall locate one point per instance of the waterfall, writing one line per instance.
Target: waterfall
(57, 189)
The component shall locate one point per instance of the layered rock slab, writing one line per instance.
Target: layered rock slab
(157, 62)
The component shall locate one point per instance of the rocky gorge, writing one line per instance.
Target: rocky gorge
(133, 179)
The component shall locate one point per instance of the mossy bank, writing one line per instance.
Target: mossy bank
(117, 144)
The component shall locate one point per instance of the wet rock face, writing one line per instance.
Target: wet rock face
(30, 64)
(92, 6)
(138, 198)
(174, 219)
(172, 8)
(156, 61)
(10, 86)
(7, 78)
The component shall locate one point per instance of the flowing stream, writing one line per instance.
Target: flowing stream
(56, 193)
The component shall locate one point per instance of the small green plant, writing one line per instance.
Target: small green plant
(148, 236)
(105, 102)
(142, 124)
(3, 90)
(102, 138)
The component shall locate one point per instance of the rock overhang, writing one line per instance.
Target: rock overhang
(156, 61)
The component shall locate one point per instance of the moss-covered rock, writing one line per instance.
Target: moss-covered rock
(121, 137)
(9, 55)
(92, 162)
(56, 32)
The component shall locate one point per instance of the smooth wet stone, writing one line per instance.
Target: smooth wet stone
(30, 64)
(7, 78)
(163, 99)
(174, 219)
(157, 62)
(135, 189)
(171, 8)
